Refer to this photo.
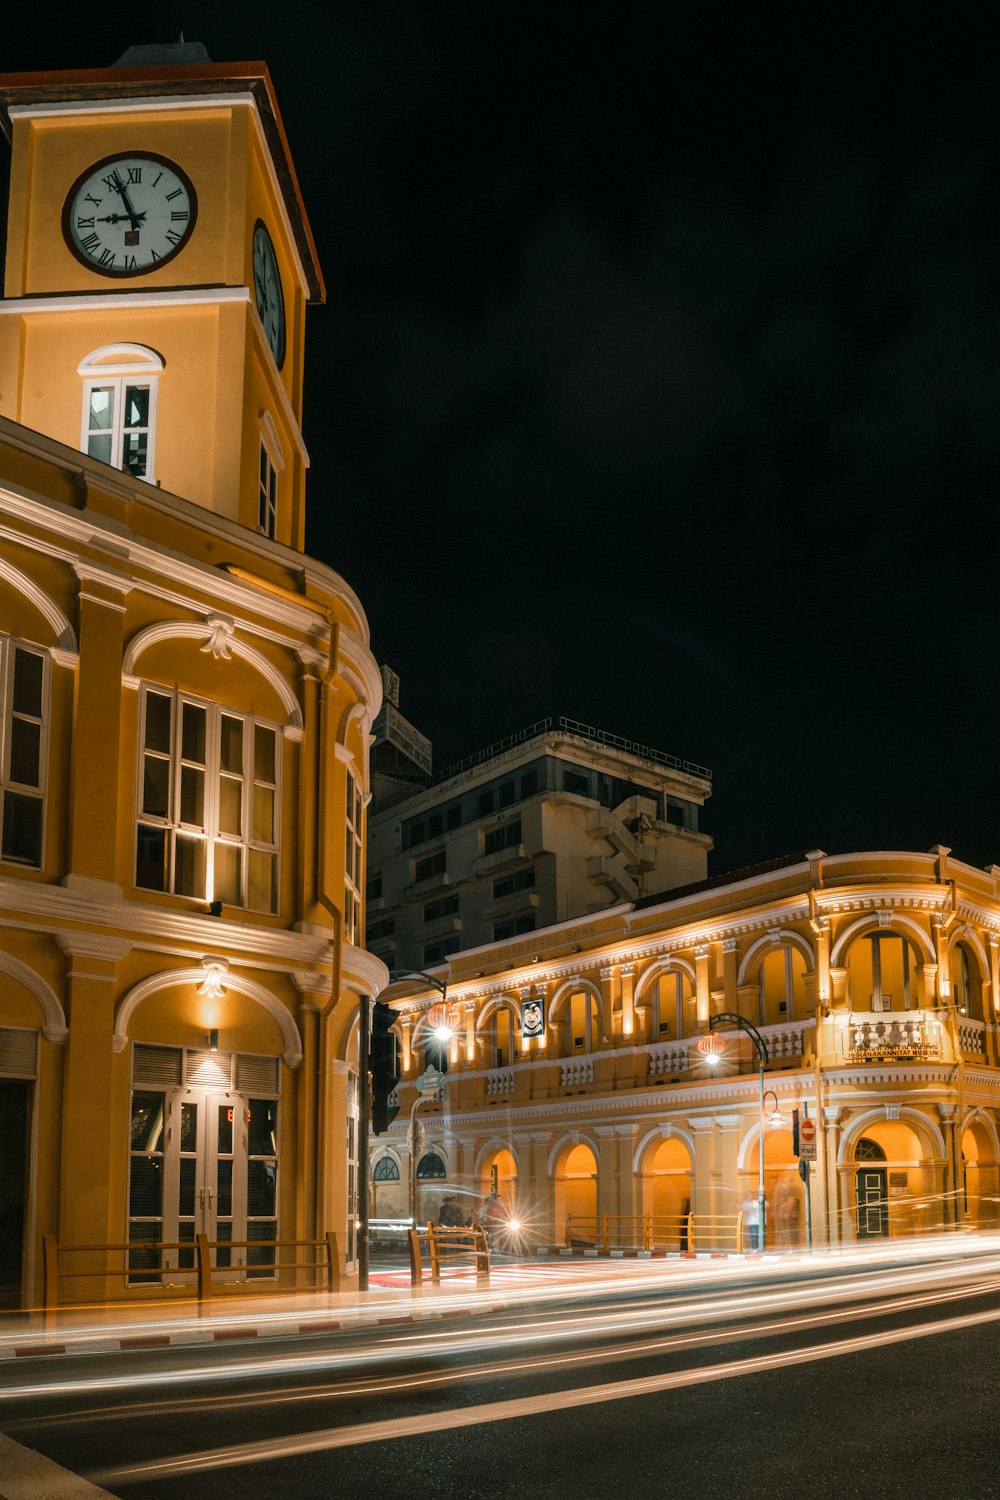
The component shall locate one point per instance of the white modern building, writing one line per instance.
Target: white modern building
(549, 824)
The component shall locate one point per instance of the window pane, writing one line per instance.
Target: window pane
(193, 722)
(262, 1129)
(155, 786)
(230, 806)
(185, 1190)
(224, 1184)
(22, 828)
(261, 1196)
(263, 467)
(227, 882)
(102, 408)
(231, 745)
(158, 722)
(189, 1127)
(193, 796)
(100, 448)
(189, 874)
(145, 1186)
(263, 815)
(147, 1121)
(134, 445)
(261, 895)
(265, 1229)
(150, 858)
(225, 1129)
(263, 754)
(25, 752)
(27, 697)
(137, 406)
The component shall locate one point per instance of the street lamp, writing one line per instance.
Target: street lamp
(442, 1032)
(712, 1055)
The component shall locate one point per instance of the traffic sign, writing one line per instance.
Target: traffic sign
(431, 1081)
(807, 1139)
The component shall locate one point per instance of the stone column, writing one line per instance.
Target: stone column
(730, 973)
(627, 978)
(703, 985)
(93, 1176)
(96, 748)
(836, 1224)
(726, 1194)
(703, 1186)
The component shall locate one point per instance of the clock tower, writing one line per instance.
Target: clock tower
(159, 264)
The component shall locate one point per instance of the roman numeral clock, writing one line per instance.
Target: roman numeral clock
(126, 215)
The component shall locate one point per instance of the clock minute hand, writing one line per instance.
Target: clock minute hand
(117, 218)
(122, 192)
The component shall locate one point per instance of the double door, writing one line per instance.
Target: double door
(203, 1163)
(873, 1203)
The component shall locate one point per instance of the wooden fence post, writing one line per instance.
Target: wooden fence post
(50, 1275)
(204, 1267)
(607, 1240)
(482, 1256)
(416, 1259)
(332, 1262)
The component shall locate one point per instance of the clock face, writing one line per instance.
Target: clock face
(267, 289)
(129, 214)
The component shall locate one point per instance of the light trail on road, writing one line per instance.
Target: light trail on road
(270, 1449)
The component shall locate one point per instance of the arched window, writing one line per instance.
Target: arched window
(430, 1167)
(386, 1170)
(672, 1011)
(119, 407)
(965, 981)
(584, 1022)
(882, 972)
(502, 1038)
(782, 985)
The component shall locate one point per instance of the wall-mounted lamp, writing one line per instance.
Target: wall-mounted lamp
(213, 1040)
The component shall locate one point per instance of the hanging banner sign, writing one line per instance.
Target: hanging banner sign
(532, 1018)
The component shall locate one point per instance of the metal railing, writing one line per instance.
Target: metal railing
(582, 731)
(451, 1249)
(205, 1271)
(687, 1233)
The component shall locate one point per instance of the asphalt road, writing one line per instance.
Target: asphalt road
(868, 1380)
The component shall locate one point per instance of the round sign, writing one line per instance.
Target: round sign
(807, 1131)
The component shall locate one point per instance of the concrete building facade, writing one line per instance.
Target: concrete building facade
(552, 823)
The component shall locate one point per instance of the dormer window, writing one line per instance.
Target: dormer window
(119, 407)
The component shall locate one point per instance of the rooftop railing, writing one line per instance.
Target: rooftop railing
(582, 731)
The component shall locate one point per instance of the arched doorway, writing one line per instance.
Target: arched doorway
(784, 1193)
(895, 1190)
(979, 1204)
(388, 1192)
(499, 1175)
(666, 1192)
(576, 1195)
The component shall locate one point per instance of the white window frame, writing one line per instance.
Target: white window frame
(354, 827)
(117, 366)
(9, 646)
(209, 831)
(272, 459)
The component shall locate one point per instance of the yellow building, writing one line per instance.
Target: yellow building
(577, 1086)
(186, 697)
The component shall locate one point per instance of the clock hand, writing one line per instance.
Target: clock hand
(122, 192)
(117, 218)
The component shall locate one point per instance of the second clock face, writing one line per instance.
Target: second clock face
(267, 290)
(127, 215)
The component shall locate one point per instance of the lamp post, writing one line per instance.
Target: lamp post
(443, 1033)
(729, 1018)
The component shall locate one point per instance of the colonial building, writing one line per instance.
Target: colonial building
(554, 822)
(576, 1082)
(186, 697)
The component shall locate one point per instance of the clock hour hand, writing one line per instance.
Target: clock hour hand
(133, 219)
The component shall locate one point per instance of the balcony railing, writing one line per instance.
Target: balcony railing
(904, 1036)
(499, 1081)
(577, 1071)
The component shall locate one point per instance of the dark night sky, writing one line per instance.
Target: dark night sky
(657, 384)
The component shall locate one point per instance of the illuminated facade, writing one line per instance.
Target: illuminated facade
(874, 982)
(187, 698)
